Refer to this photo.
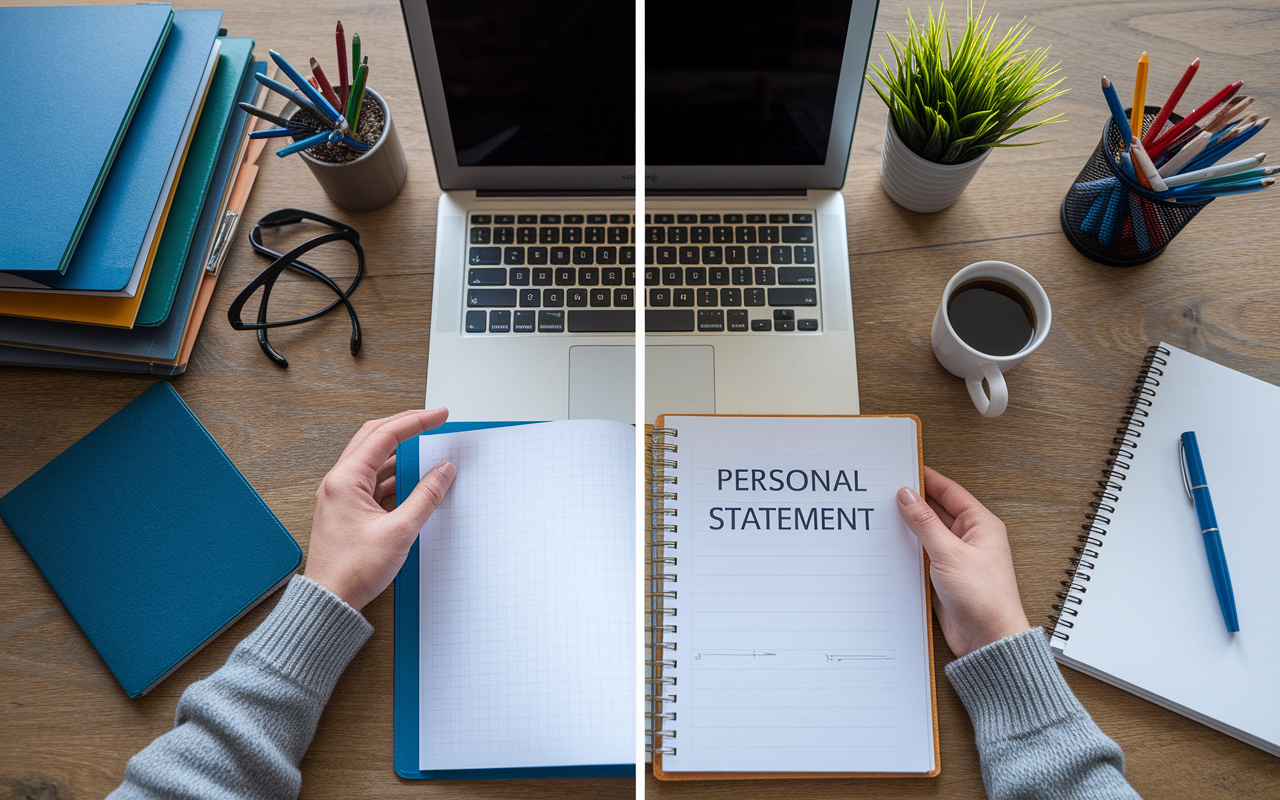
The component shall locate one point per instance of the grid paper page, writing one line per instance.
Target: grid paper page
(528, 599)
(1150, 621)
(800, 637)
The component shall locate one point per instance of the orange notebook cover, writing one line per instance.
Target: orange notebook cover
(791, 633)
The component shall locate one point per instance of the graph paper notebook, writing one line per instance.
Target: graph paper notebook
(1141, 612)
(792, 629)
(515, 613)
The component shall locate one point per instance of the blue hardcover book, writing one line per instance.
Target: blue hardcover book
(150, 537)
(408, 675)
(135, 197)
(151, 349)
(80, 72)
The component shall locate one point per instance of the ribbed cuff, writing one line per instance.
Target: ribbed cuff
(1012, 687)
(310, 637)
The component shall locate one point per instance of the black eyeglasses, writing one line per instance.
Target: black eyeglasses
(289, 260)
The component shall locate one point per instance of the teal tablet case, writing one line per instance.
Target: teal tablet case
(150, 537)
(117, 229)
(406, 652)
(74, 76)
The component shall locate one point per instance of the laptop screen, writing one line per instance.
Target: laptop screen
(742, 82)
(545, 84)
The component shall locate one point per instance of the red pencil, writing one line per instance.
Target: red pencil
(343, 83)
(1169, 104)
(326, 88)
(1163, 141)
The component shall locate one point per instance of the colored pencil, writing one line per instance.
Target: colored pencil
(1138, 110)
(310, 141)
(290, 94)
(1170, 104)
(326, 88)
(341, 37)
(355, 55)
(1216, 171)
(1164, 140)
(274, 119)
(357, 94)
(1211, 156)
(1249, 174)
(1189, 151)
(1117, 110)
(274, 133)
(1147, 169)
(1225, 191)
(316, 97)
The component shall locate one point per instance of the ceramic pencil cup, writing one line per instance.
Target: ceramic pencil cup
(366, 181)
(1110, 217)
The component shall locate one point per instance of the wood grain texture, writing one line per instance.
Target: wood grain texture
(68, 728)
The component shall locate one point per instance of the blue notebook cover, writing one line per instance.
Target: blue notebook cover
(144, 344)
(117, 230)
(80, 72)
(406, 652)
(150, 537)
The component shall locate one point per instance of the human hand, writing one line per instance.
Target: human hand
(970, 566)
(357, 547)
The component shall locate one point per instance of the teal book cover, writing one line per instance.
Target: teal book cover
(124, 221)
(47, 195)
(151, 537)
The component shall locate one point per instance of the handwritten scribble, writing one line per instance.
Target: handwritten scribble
(858, 657)
(740, 653)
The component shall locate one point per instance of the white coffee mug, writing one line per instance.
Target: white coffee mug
(963, 361)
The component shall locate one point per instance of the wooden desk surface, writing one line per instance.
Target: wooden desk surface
(68, 729)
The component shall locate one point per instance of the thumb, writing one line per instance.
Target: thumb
(924, 523)
(425, 498)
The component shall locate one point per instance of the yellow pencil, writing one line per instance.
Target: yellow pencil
(1139, 96)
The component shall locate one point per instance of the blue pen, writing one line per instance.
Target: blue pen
(303, 144)
(315, 97)
(1117, 110)
(290, 94)
(1198, 491)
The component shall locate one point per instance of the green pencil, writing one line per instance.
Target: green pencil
(355, 52)
(357, 95)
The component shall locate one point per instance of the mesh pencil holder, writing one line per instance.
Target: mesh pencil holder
(1110, 217)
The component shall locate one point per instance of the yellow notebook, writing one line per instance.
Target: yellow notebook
(791, 629)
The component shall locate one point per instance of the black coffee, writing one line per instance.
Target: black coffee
(992, 316)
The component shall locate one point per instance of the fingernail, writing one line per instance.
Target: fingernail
(447, 470)
(907, 497)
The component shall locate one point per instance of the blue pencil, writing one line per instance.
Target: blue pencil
(1139, 224)
(310, 141)
(1224, 189)
(1111, 219)
(1117, 110)
(1208, 157)
(303, 84)
(1094, 216)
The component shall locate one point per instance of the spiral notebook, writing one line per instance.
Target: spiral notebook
(791, 628)
(1140, 611)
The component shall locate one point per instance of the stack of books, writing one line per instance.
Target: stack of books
(114, 221)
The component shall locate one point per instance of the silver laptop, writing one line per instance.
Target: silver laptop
(531, 112)
(750, 111)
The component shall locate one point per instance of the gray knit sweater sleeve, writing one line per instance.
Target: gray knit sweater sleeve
(241, 732)
(1034, 738)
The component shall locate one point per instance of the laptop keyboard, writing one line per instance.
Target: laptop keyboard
(550, 273)
(739, 273)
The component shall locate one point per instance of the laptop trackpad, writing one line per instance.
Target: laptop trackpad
(679, 379)
(602, 382)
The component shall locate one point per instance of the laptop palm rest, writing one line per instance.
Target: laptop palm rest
(602, 382)
(679, 379)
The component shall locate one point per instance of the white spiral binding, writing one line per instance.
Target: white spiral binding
(1126, 441)
(661, 562)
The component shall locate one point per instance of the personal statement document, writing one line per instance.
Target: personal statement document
(801, 624)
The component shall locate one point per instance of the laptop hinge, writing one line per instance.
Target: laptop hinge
(555, 193)
(725, 192)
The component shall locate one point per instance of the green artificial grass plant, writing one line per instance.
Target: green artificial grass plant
(950, 110)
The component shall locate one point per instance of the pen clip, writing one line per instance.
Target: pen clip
(221, 242)
(1182, 462)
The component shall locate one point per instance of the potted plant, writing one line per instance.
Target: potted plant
(949, 104)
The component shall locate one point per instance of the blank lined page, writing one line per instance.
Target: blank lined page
(801, 638)
(528, 599)
(1150, 620)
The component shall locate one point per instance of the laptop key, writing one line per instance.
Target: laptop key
(732, 219)
(619, 219)
(784, 325)
(572, 219)
(527, 235)
(550, 322)
(804, 253)
(485, 255)
(575, 298)
(599, 297)
(737, 319)
(687, 219)
(559, 255)
(745, 235)
(601, 321)
(768, 234)
(571, 235)
(530, 298)
(548, 236)
(475, 322)
(597, 219)
(678, 235)
(619, 235)
(524, 322)
(780, 254)
(654, 235)
(660, 297)
(758, 254)
(711, 254)
(741, 276)
(504, 235)
(755, 219)
(553, 298)
(696, 276)
(735, 255)
(481, 219)
(542, 276)
(761, 324)
(793, 297)
(549, 219)
(689, 255)
(505, 219)
(629, 275)
(528, 219)
(589, 276)
(779, 218)
(707, 297)
(682, 296)
(595, 236)
(722, 234)
(789, 276)
(731, 297)
(607, 255)
(709, 319)
(611, 276)
(709, 219)
(491, 298)
(519, 276)
(673, 276)
(491, 276)
(666, 255)
(624, 298)
(806, 324)
(583, 255)
(753, 296)
(801, 234)
(806, 219)
(652, 276)
(627, 255)
(664, 219)
(766, 276)
(480, 235)
(668, 321)
(784, 313)
(700, 234)
(500, 322)
(513, 255)
(566, 276)
(537, 255)
(718, 276)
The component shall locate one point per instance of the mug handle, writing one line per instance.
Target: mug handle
(999, 399)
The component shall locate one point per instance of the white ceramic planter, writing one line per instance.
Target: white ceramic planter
(918, 184)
